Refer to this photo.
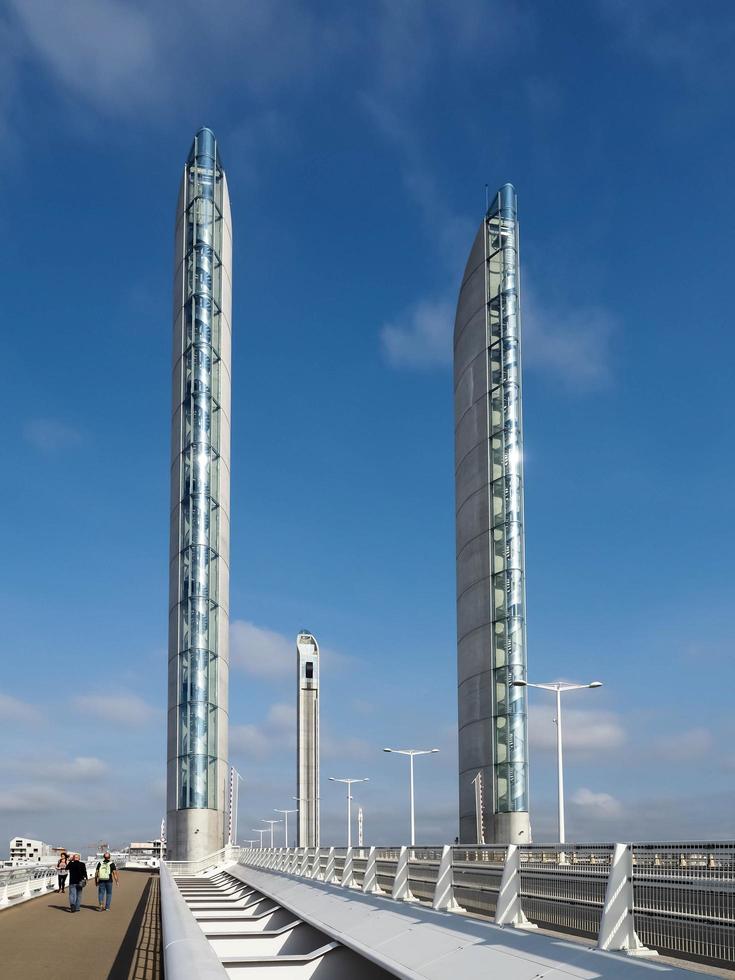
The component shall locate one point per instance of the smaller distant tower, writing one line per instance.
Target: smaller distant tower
(307, 747)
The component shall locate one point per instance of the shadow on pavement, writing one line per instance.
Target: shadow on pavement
(141, 942)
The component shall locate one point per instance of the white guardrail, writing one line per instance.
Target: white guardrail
(20, 884)
(226, 855)
(675, 898)
(186, 952)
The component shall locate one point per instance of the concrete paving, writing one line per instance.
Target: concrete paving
(42, 939)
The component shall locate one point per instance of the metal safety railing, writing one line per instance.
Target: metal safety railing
(186, 951)
(676, 898)
(19, 884)
(226, 855)
(685, 898)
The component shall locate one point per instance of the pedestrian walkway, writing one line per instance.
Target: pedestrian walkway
(42, 939)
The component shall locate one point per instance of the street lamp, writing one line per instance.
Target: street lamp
(272, 822)
(235, 778)
(285, 814)
(261, 831)
(300, 800)
(411, 753)
(250, 842)
(559, 688)
(334, 779)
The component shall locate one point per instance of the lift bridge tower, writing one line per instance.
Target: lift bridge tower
(307, 748)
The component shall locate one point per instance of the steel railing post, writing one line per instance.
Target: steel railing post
(348, 872)
(444, 899)
(370, 882)
(508, 911)
(617, 925)
(329, 871)
(401, 891)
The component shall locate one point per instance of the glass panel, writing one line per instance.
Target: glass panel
(499, 643)
(498, 539)
(495, 362)
(499, 595)
(496, 410)
(496, 457)
(501, 788)
(497, 502)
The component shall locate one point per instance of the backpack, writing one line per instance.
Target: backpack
(104, 872)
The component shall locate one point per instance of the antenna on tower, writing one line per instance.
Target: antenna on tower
(487, 199)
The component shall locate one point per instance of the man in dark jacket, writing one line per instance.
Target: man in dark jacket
(77, 880)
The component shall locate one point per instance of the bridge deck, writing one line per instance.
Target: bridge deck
(42, 939)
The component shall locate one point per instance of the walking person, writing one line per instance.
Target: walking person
(104, 875)
(77, 870)
(61, 871)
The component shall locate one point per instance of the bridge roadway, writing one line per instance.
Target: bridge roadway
(42, 939)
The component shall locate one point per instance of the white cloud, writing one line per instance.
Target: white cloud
(80, 769)
(261, 651)
(685, 746)
(584, 730)
(276, 733)
(34, 799)
(120, 709)
(265, 653)
(102, 50)
(346, 747)
(573, 345)
(51, 435)
(601, 805)
(422, 338)
(250, 741)
(684, 40)
(255, 135)
(125, 58)
(12, 709)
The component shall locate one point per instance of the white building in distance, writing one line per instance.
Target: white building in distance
(25, 851)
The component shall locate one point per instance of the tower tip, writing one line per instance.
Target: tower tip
(505, 202)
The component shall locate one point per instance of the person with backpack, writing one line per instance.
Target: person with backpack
(104, 875)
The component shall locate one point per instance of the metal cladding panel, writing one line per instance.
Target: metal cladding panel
(468, 344)
(472, 384)
(474, 607)
(475, 695)
(472, 432)
(472, 657)
(472, 475)
(473, 566)
(477, 743)
(489, 520)
(224, 501)
(224, 535)
(472, 517)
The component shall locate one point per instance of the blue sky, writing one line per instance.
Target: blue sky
(358, 141)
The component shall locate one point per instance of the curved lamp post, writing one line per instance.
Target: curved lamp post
(285, 816)
(411, 753)
(559, 688)
(272, 823)
(334, 779)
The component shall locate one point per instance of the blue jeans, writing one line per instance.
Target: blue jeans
(104, 893)
(75, 897)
